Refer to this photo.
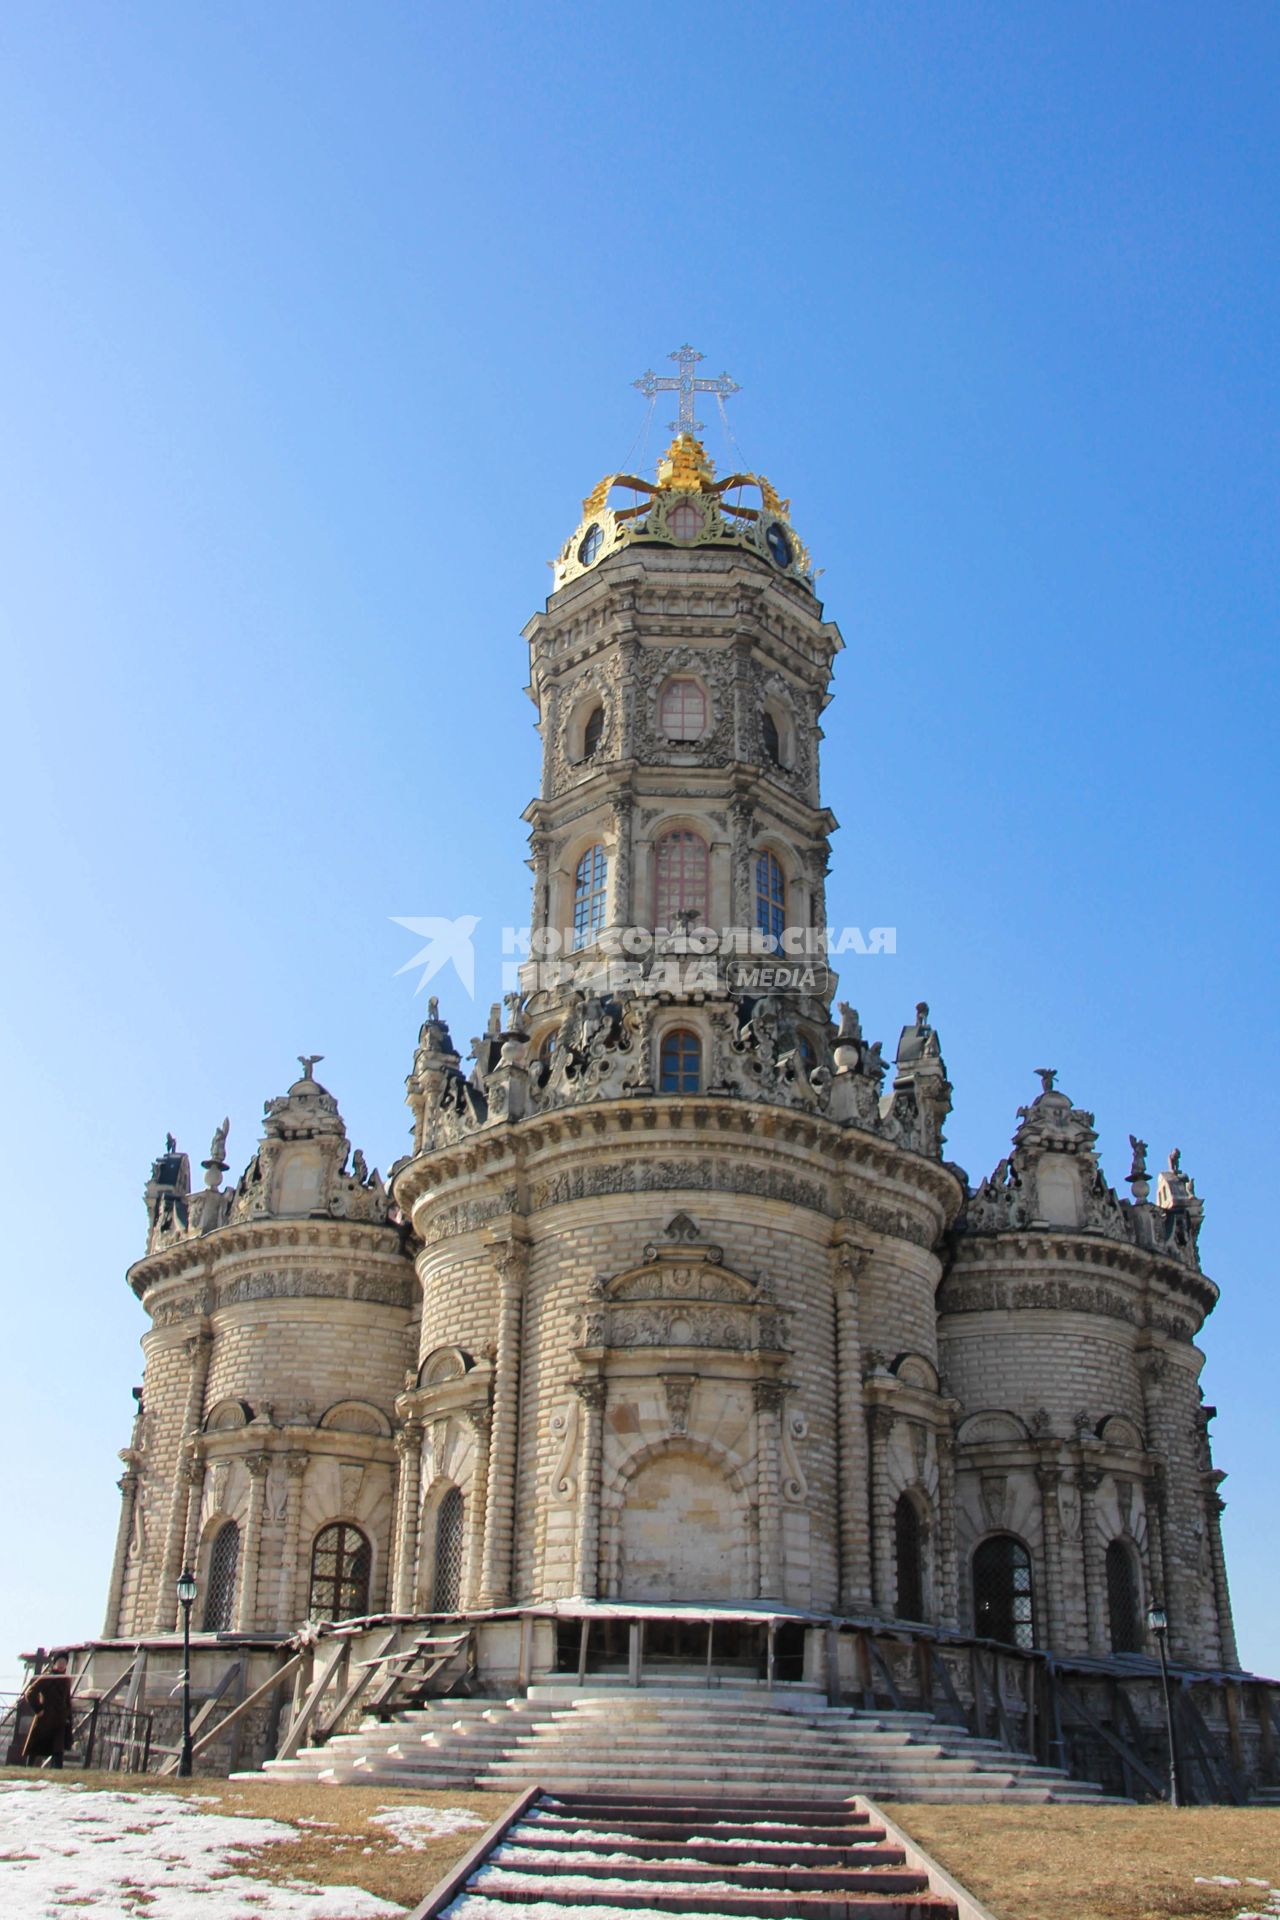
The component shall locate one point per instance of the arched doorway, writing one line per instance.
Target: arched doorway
(909, 1546)
(1002, 1598)
(682, 1532)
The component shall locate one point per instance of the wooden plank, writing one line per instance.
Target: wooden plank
(206, 1711)
(356, 1688)
(447, 1890)
(310, 1706)
(883, 1668)
(1113, 1740)
(277, 1680)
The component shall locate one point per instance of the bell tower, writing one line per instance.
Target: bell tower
(679, 844)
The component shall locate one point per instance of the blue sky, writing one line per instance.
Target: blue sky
(317, 324)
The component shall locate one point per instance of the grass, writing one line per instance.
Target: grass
(348, 1853)
(1102, 1863)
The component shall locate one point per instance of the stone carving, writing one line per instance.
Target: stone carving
(795, 1488)
(564, 1430)
(678, 1389)
(1069, 1509)
(994, 1490)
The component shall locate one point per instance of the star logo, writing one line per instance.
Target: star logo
(446, 941)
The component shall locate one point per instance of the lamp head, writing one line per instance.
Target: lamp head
(187, 1588)
(1158, 1621)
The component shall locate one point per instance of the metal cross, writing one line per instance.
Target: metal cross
(686, 386)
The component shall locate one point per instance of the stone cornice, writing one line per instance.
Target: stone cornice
(1032, 1252)
(795, 1141)
(199, 1256)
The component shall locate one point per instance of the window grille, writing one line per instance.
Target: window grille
(1002, 1597)
(1122, 1599)
(771, 900)
(685, 522)
(680, 877)
(907, 1544)
(590, 888)
(224, 1564)
(682, 710)
(341, 1561)
(593, 731)
(680, 1062)
(446, 1585)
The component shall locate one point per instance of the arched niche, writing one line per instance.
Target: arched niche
(355, 1416)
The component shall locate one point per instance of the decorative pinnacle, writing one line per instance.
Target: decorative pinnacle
(307, 1061)
(686, 385)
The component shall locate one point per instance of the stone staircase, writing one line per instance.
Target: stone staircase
(681, 1741)
(620, 1853)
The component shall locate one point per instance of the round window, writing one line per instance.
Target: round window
(779, 545)
(590, 544)
(685, 521)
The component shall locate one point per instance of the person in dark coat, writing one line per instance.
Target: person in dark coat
(48, 1698)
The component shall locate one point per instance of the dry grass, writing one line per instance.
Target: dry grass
(1102, 1863)
(348, 1853)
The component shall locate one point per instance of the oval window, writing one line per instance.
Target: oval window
(685, 521)
(779, 545)
(590, 544)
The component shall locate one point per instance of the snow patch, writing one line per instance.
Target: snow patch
(119, 1854)
(414, 1826)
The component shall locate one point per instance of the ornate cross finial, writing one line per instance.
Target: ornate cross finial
(686, 385)
(308, 1060)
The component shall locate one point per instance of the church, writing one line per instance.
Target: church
(677, 1312)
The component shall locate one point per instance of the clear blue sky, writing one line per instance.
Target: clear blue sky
(317, 323)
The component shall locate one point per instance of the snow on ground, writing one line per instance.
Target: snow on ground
(414, 1826)
(65, 1850)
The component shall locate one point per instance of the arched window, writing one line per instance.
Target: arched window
(685, 521)
(680, 864)
(682, 710)
(808, 1052)
(908, 1545)
(680, 1062)
(1002, 1599)
(446, 1585)
(1122, 1599)
(590, 887)
(341, 1561)
(593, 732)
(771, 900)
(769, 733)
(220, 1593)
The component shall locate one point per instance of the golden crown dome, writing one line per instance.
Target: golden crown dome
(687, 507)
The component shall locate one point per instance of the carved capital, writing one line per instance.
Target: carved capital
(770, 1395)
(592, 1393)
(258, 1465)
(296, 1464)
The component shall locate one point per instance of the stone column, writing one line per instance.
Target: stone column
(1047, 1478)
(769, 1398)
(592, 1394)
(1214, 1504)
(408, 1505)
(1095, 1579)
(193, 1472)
(295, 1466)
(624, 914)
(947, 1600)
(478, 1509)
(510, 1257)
(851, 1439)
(247, 1600)
(880, 1423)
(165, 1616)
(128, 1484)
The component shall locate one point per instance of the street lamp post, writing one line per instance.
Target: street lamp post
(1158, 1621)
(187, 1591)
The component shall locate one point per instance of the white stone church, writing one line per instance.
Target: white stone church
(677, 1312)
